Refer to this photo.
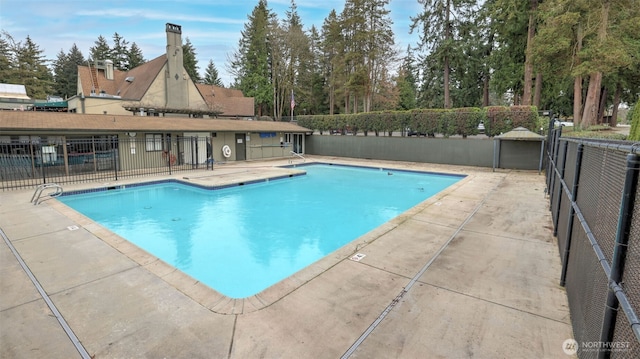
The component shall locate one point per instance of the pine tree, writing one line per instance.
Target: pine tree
(591, 42)
(294, 57)
(438, 26)
(31, 69)
(119, 53)
(472, 68)
(312, 78)
(101, 50)
(7, 58)
(211, 76)
(189, 61)
(60, 81)
(65, 72)
(333, 49)
(135, 56)
(250, 63)
(406, 83)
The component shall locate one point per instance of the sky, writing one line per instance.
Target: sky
(213, 27)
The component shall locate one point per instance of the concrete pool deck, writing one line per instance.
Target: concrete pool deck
(470, 272)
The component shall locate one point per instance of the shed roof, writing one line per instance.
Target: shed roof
(34, 121)
(520, 134)
(13, 91)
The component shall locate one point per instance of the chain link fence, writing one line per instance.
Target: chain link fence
(26, 162)
(592, 187)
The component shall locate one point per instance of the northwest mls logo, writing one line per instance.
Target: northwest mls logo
(571, 346)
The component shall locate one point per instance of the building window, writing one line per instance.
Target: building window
(153, 141)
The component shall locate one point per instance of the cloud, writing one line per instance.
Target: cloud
(155, 15)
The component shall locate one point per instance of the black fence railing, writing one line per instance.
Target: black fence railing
(593, 192)
(28, 162)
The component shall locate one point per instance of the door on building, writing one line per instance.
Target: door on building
(240, 147)
(297, 143)
(195, 147)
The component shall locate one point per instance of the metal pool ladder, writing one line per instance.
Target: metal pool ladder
(297, 155)
(35, 199)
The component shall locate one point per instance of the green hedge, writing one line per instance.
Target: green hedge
(446, 122)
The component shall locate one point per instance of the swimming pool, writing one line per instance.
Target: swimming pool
(243, 239)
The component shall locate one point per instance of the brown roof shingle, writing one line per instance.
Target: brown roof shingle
(35, 122)
(231, 101)
(143, 76)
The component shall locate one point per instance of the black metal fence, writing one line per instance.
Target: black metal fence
(593, 193)
(26, 162)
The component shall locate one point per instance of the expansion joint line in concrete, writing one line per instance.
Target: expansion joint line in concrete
(233, 336)
(63, 323)
(413, 281)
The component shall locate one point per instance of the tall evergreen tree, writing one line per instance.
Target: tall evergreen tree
(607, 51)
(510, 19)
(7, 58)
(311, 79)
(353, 25)
(379, 52)
(407, 83)
(439, 26)
(594, 45)
(472, 68)
(211, 76)
(101, 50)
(189, 60)
(65, 72)
(31, 69)
(528, 59)
(250, 63)
(119, 53)
(333, 49)
(294, 59)
(135, 58)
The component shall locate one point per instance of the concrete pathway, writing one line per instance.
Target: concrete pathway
(470, 273)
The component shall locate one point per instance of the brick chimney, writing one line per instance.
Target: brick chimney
(177, 94)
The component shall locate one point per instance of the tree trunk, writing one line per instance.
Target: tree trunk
(332, 99)
(537, 94)
(528, 63)
(447, 95)
(592, 100)
(577, 82)
(602, 105)
(447, 70)
(616, 104)
(485, 91)
(590, 113)
(577, 100)
(355, 103)
(346, 102)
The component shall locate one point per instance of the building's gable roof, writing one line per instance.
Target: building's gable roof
(140, 78)
(231, 102)
(49, 122)
(143, 76)
(87, 88)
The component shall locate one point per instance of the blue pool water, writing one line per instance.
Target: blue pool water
(243, 239)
